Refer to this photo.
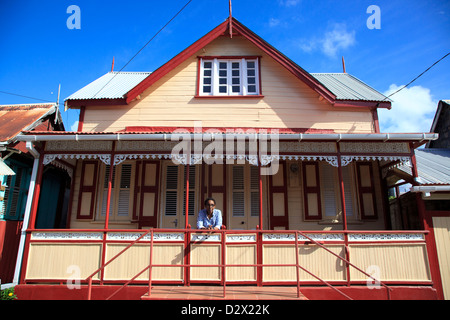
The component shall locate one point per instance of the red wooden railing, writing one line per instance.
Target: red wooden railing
(223, 265)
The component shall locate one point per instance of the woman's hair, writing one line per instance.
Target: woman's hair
(208, 199)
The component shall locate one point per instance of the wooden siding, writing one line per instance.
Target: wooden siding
(287, 101)
(441, 227)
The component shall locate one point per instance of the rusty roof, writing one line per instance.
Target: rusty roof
(24, 117)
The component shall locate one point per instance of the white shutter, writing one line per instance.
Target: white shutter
(191, 191)
(328, 190)
(238, 191)
(171, 191)
(348, 190)
(254, 193)
(123, 205)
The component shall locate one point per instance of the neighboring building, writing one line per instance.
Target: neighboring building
(214, 121)
(15, 187)
(441, 124)
(428, 196)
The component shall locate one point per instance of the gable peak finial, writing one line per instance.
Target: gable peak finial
(230, 19)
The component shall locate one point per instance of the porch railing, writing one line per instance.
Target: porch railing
(266, 257)
(224, 265)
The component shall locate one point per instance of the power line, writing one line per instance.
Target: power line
(417, 76)
(145, 46)
(22, 96)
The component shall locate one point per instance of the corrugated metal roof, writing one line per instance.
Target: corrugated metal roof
(433, 166)
(113, 85)
(347, 87)
(5, 170)
(17, 118)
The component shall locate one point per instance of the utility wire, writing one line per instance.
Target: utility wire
(22, 96)
(145, 46)
(417, 76)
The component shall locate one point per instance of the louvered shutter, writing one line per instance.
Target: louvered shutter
(328, 186)
(171, 191)
(238, 192)
(123, 205)
(192, 181)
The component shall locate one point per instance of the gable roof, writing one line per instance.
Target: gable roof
(348, 87)
(113, 85)
(24, 117)
(433, 166)
(330, 94)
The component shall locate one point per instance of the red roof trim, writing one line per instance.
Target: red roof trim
(176, 61)
(252, 37)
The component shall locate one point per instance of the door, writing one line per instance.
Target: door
(244, 197)
(148, 197)
(173, 207)
(216, 188)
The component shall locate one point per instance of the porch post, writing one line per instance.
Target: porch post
(260, 197)
(26, 219)
(37, 192)
(108, 199)
(187, 196)
(341, 189)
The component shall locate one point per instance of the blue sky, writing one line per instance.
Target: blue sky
(38, 51)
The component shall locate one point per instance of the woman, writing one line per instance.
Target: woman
(209, 218)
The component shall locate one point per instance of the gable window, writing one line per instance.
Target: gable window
(231, 76)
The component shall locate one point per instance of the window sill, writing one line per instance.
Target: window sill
(230, 97)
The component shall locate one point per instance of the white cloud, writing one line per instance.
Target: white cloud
(412, 110)
(289, 3)
(337, 39)
(331, 42)
(274, 22)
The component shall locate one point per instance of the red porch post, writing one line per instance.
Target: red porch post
(344, 211)
(187, 195)
(108, 199)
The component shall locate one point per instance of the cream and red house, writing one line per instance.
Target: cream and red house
(296, 162)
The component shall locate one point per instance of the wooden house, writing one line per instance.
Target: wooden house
(15, 183)
(294, 160)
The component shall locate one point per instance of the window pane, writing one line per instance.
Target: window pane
(235, 81)
(223, 81)
(250, 64)
(252, 89)
(222, 65)
(206, 89)
(235, 65)
(251, 73)
(207, 65)
(207, 81)
(235, 73)
(222, 73)
(236, 89)
(207, 73)
(222, 89)
(251, 80)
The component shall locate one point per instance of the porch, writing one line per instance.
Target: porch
(376, 261)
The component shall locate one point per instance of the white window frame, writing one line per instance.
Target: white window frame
(243, 77)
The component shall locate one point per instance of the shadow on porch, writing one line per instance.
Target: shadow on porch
(216, 293)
